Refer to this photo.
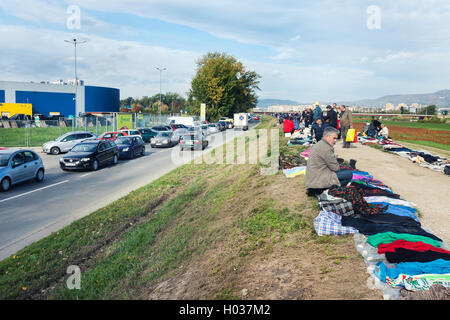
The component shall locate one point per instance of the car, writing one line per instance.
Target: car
(256, 118)
(193, 141)
(164, 139)
(112, 135)
(161, 127)
(131, 132)
(223, 124)
(90, 154)
(147, 133)
(18, 166)
(130, 146)
(213, 128)
(228, 121)
(66, 142)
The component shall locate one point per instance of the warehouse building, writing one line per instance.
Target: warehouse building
(60, 97)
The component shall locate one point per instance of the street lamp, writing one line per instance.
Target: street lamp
(160, 104)
(75, 42)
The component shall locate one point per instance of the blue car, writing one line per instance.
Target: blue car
(17, 166)
(130, 146)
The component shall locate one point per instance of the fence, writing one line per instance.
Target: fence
(34, 133)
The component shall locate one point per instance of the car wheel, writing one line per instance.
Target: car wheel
(40, 175)
(115, 159)
(143, 151)
(55, 150)
(5, 184)
(95, 165)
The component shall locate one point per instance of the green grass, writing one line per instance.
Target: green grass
(408, 124)
(431, 144)
(17, 137)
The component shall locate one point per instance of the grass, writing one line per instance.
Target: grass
(197, 216)
(17, 137)
(408, 124)
(431, 144)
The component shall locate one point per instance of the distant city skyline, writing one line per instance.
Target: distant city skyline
(304, 50)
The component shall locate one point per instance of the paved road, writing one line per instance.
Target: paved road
(31, 211)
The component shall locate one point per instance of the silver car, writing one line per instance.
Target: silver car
(66, 142)
(18, 166)
(213, 128)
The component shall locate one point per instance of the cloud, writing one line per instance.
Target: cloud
(402, 55)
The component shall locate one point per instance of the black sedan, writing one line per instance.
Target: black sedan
(130, 146)
(90, 154)
(193, 141)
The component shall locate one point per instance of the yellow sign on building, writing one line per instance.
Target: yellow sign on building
(124, 121)
(10, 109)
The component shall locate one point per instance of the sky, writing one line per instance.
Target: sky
(304, 50)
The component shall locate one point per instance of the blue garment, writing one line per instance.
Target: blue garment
(399, 210)
(318, 130)
(439, 266)
(317, 113)
(296, 124)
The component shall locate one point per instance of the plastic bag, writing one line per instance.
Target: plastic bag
(351, 133)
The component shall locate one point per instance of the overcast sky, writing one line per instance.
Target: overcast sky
(304, 50)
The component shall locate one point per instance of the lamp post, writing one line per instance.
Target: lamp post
(160, 94)
(75, 42)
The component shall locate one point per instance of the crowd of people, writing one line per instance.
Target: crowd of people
(314, 118)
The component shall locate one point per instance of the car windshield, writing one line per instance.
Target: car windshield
(4, 157)
(84, 147)
(164, 134)
(123, 140)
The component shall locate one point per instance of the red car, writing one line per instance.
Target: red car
(255, 118)
(112, 135)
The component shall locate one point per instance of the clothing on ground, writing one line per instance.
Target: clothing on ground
(439, 266)
(328, 223)
(407, 255)
(389, 237)
(356, 197)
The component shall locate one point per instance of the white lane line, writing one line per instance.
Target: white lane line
(84, 175)
(24, 194)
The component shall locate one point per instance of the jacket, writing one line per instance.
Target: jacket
(318, 130)
(346, 119)
(321, 167)
(288, 125)
(331, 118)
(317, 113)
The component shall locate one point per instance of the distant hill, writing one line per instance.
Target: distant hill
(439, 98)
(264, 103)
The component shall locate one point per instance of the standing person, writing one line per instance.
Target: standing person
(309, 117)
(331, 117)
(322, 169)
(346, 123)
(317, 112)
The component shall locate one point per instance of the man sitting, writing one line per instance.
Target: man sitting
(317, 129)
(322, 169)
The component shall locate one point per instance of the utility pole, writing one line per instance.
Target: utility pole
(75, 42)
(160, 94)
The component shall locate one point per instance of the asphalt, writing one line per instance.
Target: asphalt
(33, 210)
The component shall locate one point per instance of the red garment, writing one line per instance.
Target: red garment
(288, 125)
(416, 246)
(338, 124)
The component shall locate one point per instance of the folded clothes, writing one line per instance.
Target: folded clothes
(389, 237)
(377, 199)
(419, 246)
(407, 255)
(343, 208)
(439, 266)
(328, 223)
(379, 223)
(293, 172)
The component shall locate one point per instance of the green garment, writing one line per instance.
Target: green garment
(389, 237)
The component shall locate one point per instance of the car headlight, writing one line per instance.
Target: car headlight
(61, 160)
(86, 159)
(125, 149)
(166, 141)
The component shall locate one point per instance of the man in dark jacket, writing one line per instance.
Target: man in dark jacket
(331, 117)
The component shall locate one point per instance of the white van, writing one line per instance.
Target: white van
(187, 121)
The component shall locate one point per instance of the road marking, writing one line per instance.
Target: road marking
(24, 194)
(84, 175)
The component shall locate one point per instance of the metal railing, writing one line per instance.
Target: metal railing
(34, 133)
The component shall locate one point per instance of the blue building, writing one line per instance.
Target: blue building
(47, 97)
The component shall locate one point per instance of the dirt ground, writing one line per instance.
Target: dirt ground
(428, 189)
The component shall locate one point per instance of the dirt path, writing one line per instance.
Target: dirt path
(428, 189)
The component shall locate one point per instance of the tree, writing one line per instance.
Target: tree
(136, 108)
(429, 110)
(224, 85)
